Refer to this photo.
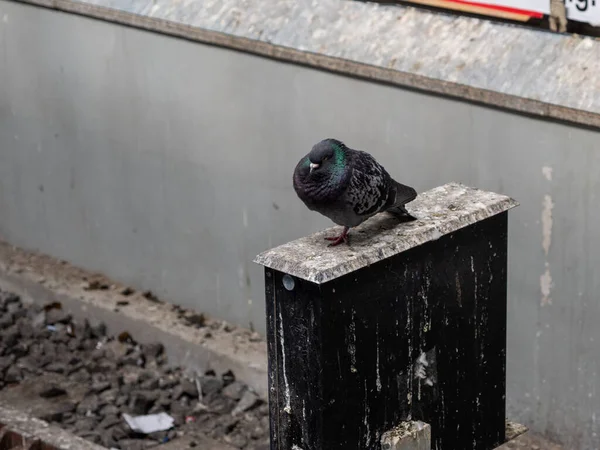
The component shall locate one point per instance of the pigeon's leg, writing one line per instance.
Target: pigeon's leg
(339, 239)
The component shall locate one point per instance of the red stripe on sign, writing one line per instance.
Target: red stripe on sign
(537, 15)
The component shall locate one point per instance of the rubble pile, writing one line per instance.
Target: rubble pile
(114, 391)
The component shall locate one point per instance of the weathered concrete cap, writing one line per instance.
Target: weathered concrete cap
(440, 211)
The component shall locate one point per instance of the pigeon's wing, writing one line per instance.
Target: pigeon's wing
(369, 185)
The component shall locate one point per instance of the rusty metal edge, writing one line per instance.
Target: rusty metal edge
(336, 65)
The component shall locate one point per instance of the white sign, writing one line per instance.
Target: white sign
(539, 6)
(584, 11)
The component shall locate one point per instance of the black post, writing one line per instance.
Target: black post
(408, 323)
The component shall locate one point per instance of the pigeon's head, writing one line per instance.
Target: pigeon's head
(327, 154)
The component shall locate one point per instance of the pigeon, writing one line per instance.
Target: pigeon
(348, 186)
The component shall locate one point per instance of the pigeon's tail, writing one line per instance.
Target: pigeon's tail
(403, 195)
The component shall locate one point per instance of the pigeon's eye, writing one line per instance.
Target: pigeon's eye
(326, 158)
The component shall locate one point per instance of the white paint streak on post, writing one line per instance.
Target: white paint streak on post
(378, 380)
(547, 172)
(352, 344)
(413, 435)
(366, 419)
(288, 399)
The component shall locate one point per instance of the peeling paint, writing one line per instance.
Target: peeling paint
(288, 399)
(546, 283)
(245, 217)
(547, 172)
(546, 286)
(547, 222)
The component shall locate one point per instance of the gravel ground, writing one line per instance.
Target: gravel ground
(73, 375)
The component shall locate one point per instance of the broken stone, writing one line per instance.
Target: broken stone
(13, 375)
(136, 358)
(19, 350)
(108, 441)
(152, 350)
(210, 385)
(181, 406)
(56, 367)
(11, 337)
(53, 391)
(5, 363)
(98, 331)
(100, 387)
(110, 395)
(6, 320)
(149, 385)
(19, 314)
(109, 421)
(109, 410)
(221, 405)
(91, 435)
(89, 404)
(26, 330)
(188, 388)
(234, 390)
(248, 401)
(141, 402)
(86, 424)
(228, 377)
(55, 316)
(57, 411)
(120, 432)
(8, 298)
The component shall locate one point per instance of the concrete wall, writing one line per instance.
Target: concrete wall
(167, 165)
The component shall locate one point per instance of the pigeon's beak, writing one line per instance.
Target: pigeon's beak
(313, 166)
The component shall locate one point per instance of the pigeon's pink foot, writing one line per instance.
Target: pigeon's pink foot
(339, 239)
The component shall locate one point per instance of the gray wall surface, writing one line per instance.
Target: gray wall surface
(167, 165)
